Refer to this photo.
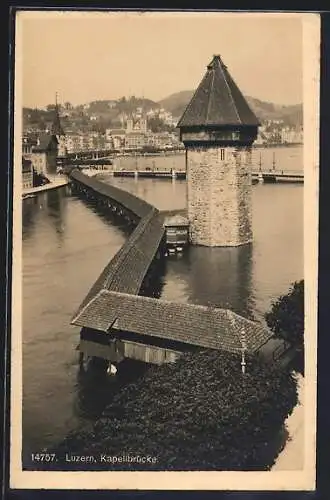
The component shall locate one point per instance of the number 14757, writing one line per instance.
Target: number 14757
(43, 457)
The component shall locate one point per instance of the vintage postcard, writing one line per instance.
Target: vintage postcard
(165, 229)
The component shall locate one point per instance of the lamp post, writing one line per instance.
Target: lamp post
(243, 341)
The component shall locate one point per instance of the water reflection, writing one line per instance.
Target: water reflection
(221, 277)
(30, 209)
(95, 389)
(214, 277)
(47, 208)
(56, 203)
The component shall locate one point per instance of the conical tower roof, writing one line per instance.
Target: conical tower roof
(218, 101)
(57, 128)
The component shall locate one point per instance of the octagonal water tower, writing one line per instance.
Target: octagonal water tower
(218, 129)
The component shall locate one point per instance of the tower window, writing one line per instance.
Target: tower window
(222, 154)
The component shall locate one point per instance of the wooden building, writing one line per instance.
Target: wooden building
(118, 325)
(176, 231)
(27, 174)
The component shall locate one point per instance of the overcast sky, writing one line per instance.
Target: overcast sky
(90, 56)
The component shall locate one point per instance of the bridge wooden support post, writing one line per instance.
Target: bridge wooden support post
(81, 359)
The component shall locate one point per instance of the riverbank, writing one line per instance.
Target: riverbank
(292, 456)
(55, 183)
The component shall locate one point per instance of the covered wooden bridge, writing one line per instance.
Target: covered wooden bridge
(118, 322)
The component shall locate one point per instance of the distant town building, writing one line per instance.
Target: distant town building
(163, 140)
(116, 137)
(291, 136)
(27, 173)
(43, 155)
(27, 144)
(58, 131)
(135, 140)
(136, 125)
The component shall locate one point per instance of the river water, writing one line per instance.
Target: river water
(67, 243)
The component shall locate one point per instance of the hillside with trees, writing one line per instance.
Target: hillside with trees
(99, 115)
(286, 320)
(291, 115)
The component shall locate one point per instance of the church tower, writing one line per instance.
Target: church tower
(58, 131)
(143, 124)
(218, 129)
(129, 125)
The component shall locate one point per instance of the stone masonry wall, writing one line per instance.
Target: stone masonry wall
(219, 195)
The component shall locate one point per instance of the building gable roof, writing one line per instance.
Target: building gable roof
(201, 326)
(218, 101)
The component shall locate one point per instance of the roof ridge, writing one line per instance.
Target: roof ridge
(185, 304)
(210, 95)
(208, 330)
(230, 94)
(80, 311)
(236, 330)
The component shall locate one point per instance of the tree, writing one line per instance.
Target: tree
(286, 319)
(156, 124)
(200, 413)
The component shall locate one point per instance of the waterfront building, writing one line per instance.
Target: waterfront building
(116, 137)
(218, 129)
(27, 173)
(135, 140)
(176, 231)
(72, 143)
(261, 139)
(44, 154)
(27, 144)
(162, 140)
(57, 130)
(291, 135)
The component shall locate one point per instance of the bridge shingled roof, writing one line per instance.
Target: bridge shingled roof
(126, 270)
(218, 101)
(205, 327)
